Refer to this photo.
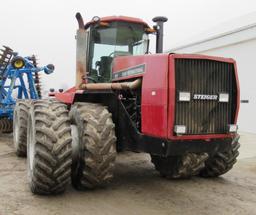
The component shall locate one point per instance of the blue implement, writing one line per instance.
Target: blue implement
(19, 79)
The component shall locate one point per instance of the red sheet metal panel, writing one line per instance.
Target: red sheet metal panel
(154, 99)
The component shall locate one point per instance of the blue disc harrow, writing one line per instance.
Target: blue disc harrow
(19, 79)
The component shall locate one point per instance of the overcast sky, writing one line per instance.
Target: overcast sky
(47, 27)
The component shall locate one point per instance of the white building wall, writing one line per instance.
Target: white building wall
(245, 55)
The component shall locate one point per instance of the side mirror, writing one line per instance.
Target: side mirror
(98, 68)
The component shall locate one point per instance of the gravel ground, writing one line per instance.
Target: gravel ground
(136, 189)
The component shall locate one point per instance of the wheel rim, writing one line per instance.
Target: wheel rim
(76, 155)
(16, 130)
(75, 145)
(31, 146)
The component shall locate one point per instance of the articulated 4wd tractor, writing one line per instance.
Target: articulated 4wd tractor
(180, 108)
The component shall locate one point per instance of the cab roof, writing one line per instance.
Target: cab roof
(119, 19)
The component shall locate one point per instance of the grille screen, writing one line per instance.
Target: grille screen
(205, 77)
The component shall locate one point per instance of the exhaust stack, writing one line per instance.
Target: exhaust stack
(159, 27)
(81, 40)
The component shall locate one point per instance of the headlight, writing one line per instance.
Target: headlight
(184, 96)
(180, 129)
(223, 97)
(18, 63)
(232, 128)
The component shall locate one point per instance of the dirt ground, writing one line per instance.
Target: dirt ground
(136, 189)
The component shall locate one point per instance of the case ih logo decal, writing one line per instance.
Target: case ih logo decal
(129, 72)
(205, 97)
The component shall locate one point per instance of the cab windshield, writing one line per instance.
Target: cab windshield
(117, 39)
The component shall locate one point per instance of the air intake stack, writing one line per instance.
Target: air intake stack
(159, 27)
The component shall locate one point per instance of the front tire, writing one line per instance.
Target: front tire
(183, 166)
(49, 147)
(221, 162)
(94, 148)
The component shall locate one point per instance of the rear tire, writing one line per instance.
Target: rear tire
(5, 125)
(183, 166)
(49, 147)
(221, 162)
(20, 117)
(9, 128)
(94, 148)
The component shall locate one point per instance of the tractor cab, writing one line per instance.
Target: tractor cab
(110, 37)
(102, 39)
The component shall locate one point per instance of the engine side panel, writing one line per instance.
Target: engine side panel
(154, 101)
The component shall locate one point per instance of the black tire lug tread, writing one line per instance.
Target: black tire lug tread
(98, 142)
(44, 167)
(62, 168)
(49, 115)
(64, 131)
(59, 113)
(41, 186)
(41, 142)
(43, 154)
(61, 186)
(184, 166)
(45, 121)
(60, 122)
(67, 153)
(54, 108)
(22, 109)
(48, 132)
(58, 148)
(65, 175)
(52, 160)
(43, 177)
(221, 162)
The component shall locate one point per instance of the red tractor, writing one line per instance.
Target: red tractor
(180, 108)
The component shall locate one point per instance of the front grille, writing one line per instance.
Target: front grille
(206, 77)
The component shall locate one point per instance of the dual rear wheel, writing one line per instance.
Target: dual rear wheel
(94, 145)
(48, 147)
(44, 131)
